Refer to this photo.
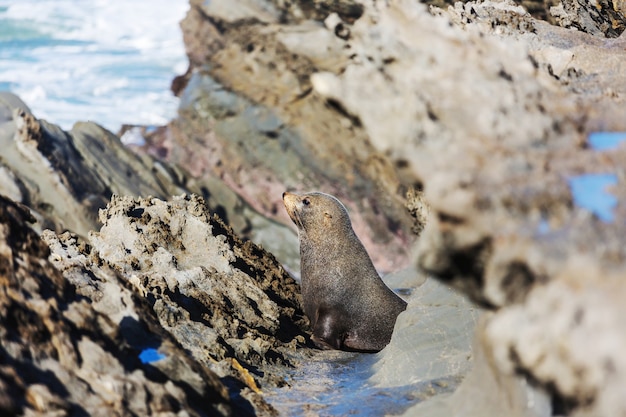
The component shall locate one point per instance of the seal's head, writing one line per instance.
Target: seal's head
(316, 211)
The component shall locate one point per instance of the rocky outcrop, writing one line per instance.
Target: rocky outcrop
(228, 304)
(603, 17)
(165, 310)
(210, 328)
(63, 355)
(66, 177)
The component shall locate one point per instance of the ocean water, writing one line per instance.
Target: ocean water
(110, 62)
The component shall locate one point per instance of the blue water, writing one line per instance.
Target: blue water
(111, 62)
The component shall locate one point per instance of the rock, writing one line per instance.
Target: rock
(197, 268)
(66, 177)
(569, 335)
(485, 391)
(506, 228)
(603, 17)
(255, 124)
(230, 305)
(539, 9)
(62, 356)
(439, 324)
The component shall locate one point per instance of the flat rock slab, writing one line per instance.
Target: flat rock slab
(432, 339)
(429, 354)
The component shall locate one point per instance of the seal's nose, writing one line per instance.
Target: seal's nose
(284, 194)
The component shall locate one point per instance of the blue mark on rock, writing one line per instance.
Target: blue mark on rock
(603, 141)
(150, 355)
(544, 227)
(589, 192)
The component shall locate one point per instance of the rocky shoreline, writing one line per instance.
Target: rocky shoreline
(159, 278)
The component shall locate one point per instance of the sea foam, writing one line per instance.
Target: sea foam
(111, 62)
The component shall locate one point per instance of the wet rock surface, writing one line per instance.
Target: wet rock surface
(469, 126)
(428, 356)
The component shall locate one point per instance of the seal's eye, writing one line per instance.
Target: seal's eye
(306, 201)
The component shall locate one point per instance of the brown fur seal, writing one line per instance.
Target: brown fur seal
(349, 306)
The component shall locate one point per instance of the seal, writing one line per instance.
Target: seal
(348, 304)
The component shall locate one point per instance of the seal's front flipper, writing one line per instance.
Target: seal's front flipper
(354, 343)
(326, 332)
(322, 344)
